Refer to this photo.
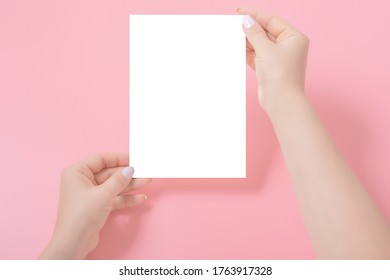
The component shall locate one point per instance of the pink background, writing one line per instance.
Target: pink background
(64, 95)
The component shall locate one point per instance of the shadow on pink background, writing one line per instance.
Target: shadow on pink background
(64, 95)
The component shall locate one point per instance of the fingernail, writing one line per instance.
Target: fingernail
(248, 21)
(238, 9)
(128, 172)
(145, 197)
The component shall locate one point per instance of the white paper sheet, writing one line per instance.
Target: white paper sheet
(187, 96)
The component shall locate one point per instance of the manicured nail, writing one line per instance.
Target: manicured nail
(128, 172)
(248, 21)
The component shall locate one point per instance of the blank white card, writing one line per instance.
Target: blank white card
(187, 96)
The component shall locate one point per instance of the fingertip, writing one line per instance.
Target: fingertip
(139, 199)
(248, 21)
(128, 172)
(125, 201)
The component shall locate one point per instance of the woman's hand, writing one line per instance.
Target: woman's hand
(342, 220)
(277, 52)
(90, 190)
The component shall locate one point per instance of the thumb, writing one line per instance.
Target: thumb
(254, 32)
(119, 180)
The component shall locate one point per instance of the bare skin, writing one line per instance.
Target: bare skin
(90, 190)
(342, 219)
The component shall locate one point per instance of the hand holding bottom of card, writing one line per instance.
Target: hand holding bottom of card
(90, 190)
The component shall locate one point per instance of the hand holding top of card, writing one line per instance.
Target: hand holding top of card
(277, 51)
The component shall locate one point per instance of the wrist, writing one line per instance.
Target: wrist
(282, 103)
(65, 246)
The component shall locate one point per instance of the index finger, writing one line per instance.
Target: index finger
(100, 161)
(276, 26)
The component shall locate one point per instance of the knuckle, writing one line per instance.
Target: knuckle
(305, 39)
(117, 180)
(256, 29)
(67, 171)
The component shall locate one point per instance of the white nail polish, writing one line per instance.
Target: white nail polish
(248, 21)
(128, 172)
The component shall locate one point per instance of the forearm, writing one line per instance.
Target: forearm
(342, 220)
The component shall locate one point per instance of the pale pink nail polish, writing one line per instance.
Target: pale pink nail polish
(248, 21)
(128, 172)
